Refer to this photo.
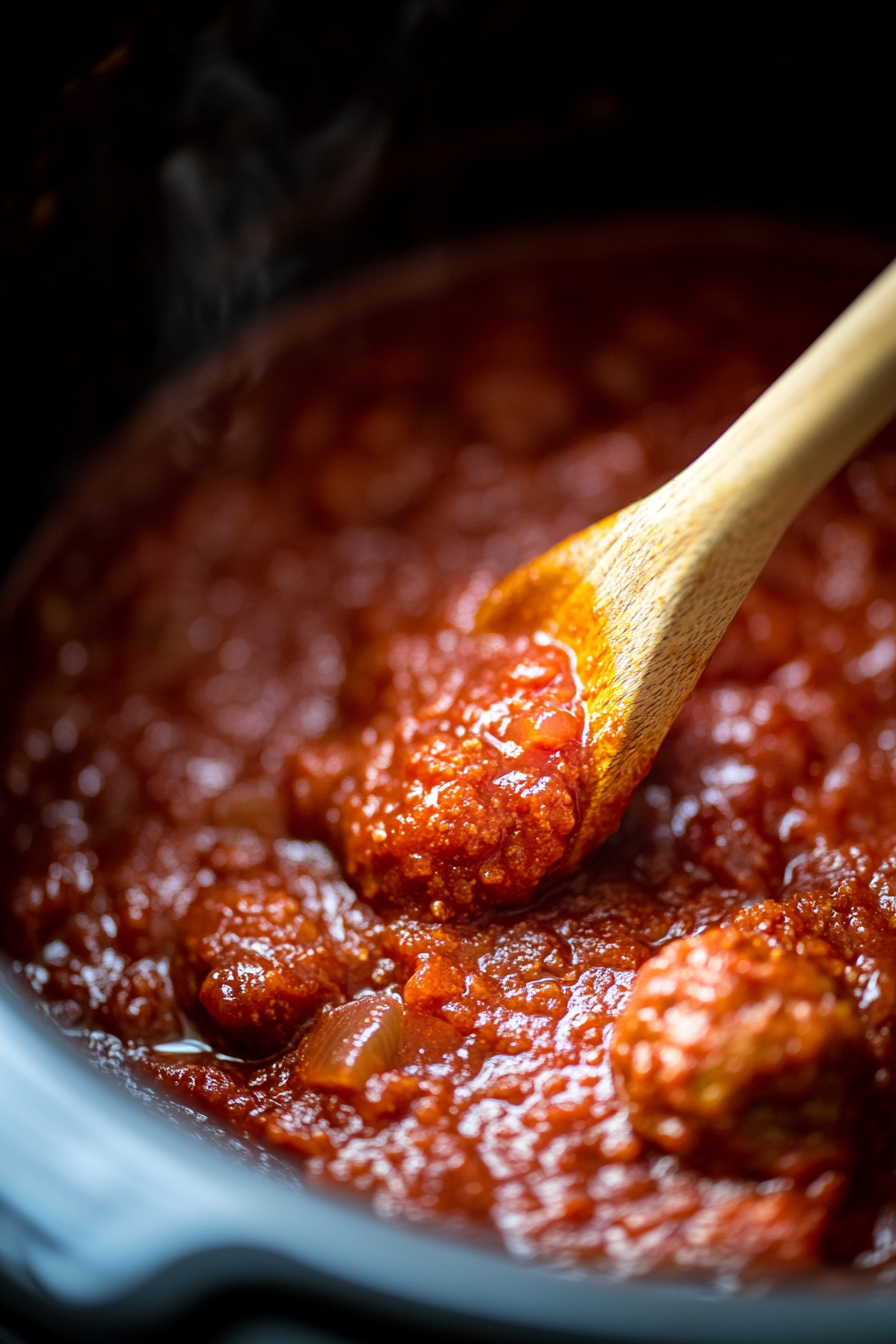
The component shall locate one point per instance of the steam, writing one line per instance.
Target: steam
(244, 204)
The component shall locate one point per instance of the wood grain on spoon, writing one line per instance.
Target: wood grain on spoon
(643, 597)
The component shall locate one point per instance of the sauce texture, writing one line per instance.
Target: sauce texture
(283, 824)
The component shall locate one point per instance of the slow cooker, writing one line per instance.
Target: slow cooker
(177, 175)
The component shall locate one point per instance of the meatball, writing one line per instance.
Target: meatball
(252, 968)
(741, 1055)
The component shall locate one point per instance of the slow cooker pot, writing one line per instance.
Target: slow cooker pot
(118, 1212)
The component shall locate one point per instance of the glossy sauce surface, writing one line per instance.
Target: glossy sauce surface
(283, 825)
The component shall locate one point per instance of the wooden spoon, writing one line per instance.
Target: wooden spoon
(643, 597)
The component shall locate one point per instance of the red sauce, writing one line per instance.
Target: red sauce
(285, 828)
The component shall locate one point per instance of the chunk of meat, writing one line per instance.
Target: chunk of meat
(252, 967)
(741, 1055)
(466, 793)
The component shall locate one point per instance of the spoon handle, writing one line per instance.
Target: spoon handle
(712, 527)
(677, 565)
(745, 489)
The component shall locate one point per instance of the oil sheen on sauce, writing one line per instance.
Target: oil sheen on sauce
(283, 823)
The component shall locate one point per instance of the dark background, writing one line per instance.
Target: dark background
(170, 168)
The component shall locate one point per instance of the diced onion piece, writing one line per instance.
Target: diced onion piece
(348, 1045)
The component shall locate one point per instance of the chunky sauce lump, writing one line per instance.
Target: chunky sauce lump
(283, 825)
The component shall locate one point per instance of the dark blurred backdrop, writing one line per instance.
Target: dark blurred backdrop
(171, 166)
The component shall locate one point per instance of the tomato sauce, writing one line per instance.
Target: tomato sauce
(284, 827)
